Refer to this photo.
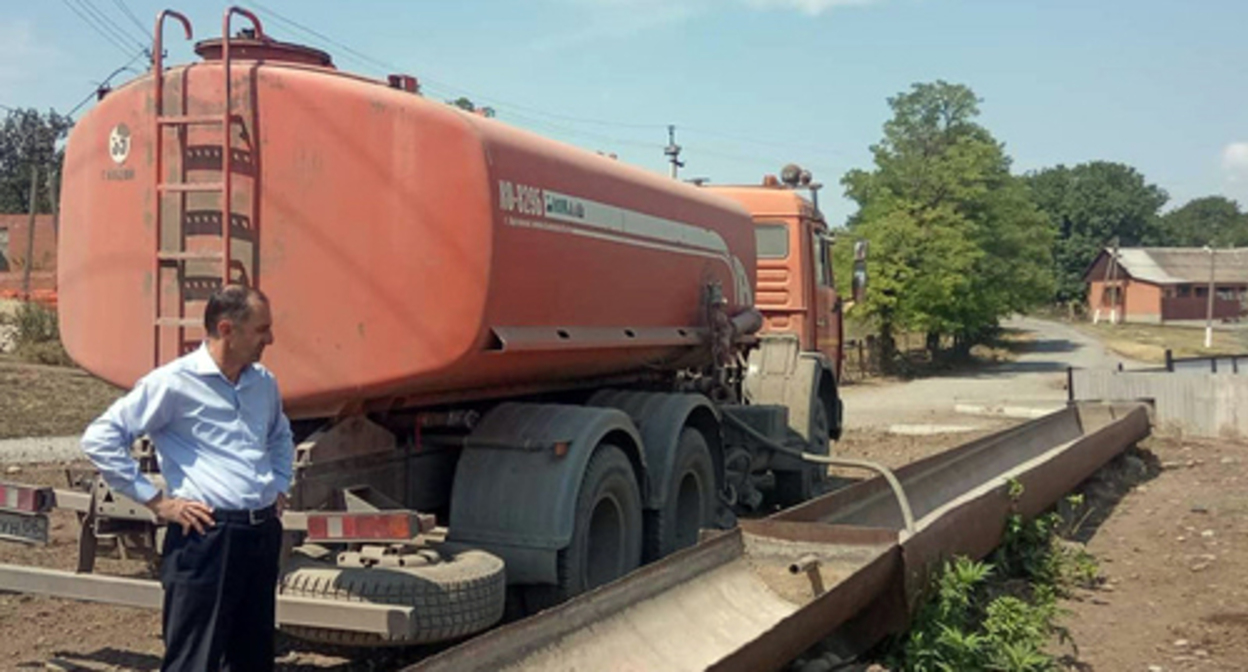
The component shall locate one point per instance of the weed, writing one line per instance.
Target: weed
(1000, 615)
(36, 335)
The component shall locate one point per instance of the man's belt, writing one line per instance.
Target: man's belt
(245, 516)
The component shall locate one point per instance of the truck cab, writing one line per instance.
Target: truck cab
(796, 289)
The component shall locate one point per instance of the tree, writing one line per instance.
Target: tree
(1212, 219)
(29, 139)
(956, 243)
(1089, 206)
(467, 105)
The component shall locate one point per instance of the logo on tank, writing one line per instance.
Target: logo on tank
(119, 143)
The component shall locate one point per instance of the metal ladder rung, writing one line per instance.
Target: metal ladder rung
(189, 256)
(191, 186)
(179, 322)
(178, 120)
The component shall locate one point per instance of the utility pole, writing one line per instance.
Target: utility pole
(1209, 302)
(30, 231)
(672, 151)
(54, 197)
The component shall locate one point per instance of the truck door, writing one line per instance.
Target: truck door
(826, 304)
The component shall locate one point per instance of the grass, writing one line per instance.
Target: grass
(1149, 342)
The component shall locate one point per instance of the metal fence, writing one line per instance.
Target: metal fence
(1233, 364)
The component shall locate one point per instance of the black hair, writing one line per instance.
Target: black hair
(230, 302)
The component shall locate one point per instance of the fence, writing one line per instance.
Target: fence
(1203, 396)
(862, 359)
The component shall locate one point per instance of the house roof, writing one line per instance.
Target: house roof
(1180, 265)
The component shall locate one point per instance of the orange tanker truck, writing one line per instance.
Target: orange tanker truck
(514, 367)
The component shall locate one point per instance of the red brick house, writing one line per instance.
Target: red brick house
(13, 237)
(1167, 284)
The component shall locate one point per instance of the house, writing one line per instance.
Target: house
(13, 237)
(1167, 284)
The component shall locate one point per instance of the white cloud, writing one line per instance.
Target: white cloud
(1235, 158)
(810, 7)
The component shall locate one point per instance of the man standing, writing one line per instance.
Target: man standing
(225, 450)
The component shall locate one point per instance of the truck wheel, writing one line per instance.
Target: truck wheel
(691, 499)
(795, 487)
(606, 536)
(455, 598)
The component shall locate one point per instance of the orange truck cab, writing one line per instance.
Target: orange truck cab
(795, 289)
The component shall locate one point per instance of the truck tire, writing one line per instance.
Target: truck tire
(606, 536)
(460, 596)
(795, 487)
(691, 499)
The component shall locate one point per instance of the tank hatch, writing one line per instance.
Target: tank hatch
(248, 47)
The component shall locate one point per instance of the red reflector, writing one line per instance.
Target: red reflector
(24, 498)
(396, 526)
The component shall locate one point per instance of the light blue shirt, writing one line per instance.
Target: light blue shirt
(224, 444)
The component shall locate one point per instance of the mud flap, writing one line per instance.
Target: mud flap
(517, 481)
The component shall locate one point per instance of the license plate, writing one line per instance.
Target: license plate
(30, 528)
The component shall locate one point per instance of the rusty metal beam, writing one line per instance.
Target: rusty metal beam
(685, 611)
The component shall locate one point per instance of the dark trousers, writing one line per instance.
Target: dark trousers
(220, 597)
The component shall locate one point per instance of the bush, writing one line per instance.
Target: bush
(36, 337)
(999, 615)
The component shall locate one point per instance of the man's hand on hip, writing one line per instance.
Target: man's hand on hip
(190, 515)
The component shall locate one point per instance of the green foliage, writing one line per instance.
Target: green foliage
(1212, 219)
(36, 336)
(467, 105)
(956, 243)
(1089, 205)
(28, 139)
(1000, 615)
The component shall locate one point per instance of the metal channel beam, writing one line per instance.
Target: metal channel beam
(961, 496)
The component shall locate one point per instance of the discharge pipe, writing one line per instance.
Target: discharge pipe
(899, 493)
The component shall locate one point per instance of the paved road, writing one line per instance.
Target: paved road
(1036, 380)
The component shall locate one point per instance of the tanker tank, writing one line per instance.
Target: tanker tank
(414, 253)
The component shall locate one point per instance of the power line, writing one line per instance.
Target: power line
(110, 39)
(530, 114)
(104, 83)
(108, 23)
(125, 9)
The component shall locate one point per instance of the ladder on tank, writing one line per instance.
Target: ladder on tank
(178, 258)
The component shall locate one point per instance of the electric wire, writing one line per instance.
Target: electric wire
(107, 24)
(125, 9)
(532, 116)
(108, 38)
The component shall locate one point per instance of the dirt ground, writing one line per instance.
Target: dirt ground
(1171, 549)
(1172, 552)
(49, 400)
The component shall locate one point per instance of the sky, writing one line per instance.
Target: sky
(1161, 85)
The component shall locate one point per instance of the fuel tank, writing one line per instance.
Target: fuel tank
(413, 253)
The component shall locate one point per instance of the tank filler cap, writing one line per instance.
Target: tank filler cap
(253, 49)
